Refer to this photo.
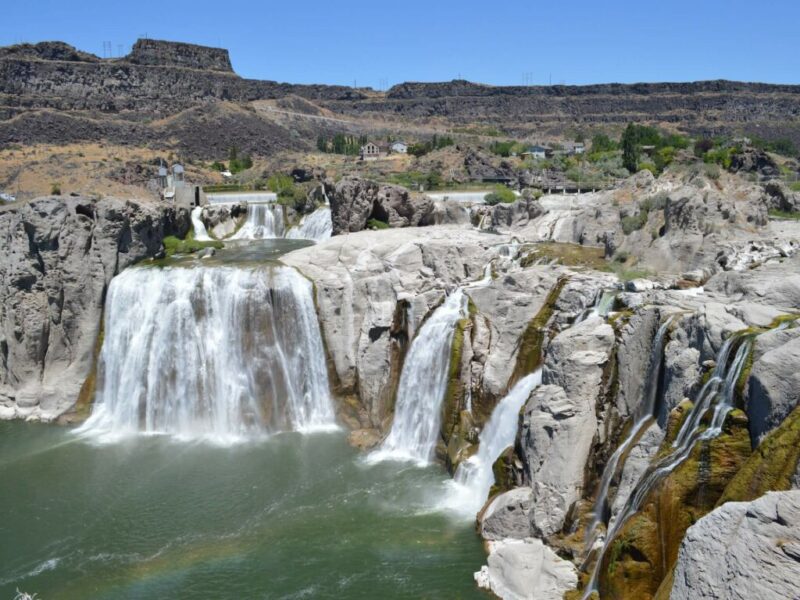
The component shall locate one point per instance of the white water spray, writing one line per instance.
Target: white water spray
(263, 221)
(474, 477)
(200, 233)
(422, 387)
(317, 226)
(217, 353)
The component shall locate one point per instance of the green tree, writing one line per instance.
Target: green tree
(630, 148)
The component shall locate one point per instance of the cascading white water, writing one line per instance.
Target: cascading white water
(219, 353)
(237, 197)
(602, 305)
(200, 233)
(422, 387)
(264, 221)
(317, 226)
(719, 392)
(642, 417)
(474, 477)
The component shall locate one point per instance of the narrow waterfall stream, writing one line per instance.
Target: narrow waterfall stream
(200, 233)
(474, 477)
(644, 414)
(422, 386)
(221, 353)
(717, 393)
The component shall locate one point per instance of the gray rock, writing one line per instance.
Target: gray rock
(559, 420)
(355, 201)
(59, 257)
(773, 389)
(741, 551)
(508, 515)
(526, 570)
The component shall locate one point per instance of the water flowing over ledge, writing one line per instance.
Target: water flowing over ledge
(317, 226)
(212, 353)
(263, 221)
(474, 477)
(422, 387)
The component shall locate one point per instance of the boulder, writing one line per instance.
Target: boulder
(780, 197)
(559, 420)
(753, 160)
(526, 570)
(742, 550)
(355, 201)
(773, 389)
(508, 515)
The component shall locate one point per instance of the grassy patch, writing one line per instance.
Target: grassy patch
(173, 245)
(782, 214)
(569, 255)
(376, 224)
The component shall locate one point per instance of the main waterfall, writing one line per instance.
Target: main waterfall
(422, 386)
(221, 353)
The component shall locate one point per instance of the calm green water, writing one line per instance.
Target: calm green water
(288, 517)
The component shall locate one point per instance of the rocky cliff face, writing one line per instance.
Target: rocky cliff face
(59, 255)
(356, 201)
(176, 54)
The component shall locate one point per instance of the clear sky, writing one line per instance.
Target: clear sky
(382, 42)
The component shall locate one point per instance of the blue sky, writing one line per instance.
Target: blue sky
(382, 42)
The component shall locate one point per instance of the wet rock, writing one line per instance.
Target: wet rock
(742, 550)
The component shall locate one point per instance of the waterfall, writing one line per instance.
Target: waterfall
(642, 417)
(602, 305)
(264, 221)
(423, 383)
(219, 353)
(474, 477)
(237, 197)
(200, 233)
(317, 226)
(719, 392)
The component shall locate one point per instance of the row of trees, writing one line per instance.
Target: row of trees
(435, 143)
(236, 163)
(349, 145)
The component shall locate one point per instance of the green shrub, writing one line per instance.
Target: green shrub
(657, 202)
(702, 146)
(500, 194)
(795, 187)
(376, 224)
(634, 222)
(173, 245)
(280, 184)
(55, 189)
(602, 143)
(217, 166)
(712, 171)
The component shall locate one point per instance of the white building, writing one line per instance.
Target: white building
(399, 147)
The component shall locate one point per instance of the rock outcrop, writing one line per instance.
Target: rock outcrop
(357, 201)
(59, 255)
(742, 550)
(526, 570)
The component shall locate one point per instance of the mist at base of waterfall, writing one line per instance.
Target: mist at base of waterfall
(292, 516)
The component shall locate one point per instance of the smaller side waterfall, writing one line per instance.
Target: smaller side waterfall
(317, 226)
(264, 221)
(474, 477)
(644, 413)
(200, 233)
(719, 393)
(423, 383)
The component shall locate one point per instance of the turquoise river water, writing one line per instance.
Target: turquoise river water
(289, 516)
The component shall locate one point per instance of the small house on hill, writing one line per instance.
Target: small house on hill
(371, 151)
(399, 147)
(538, 152)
